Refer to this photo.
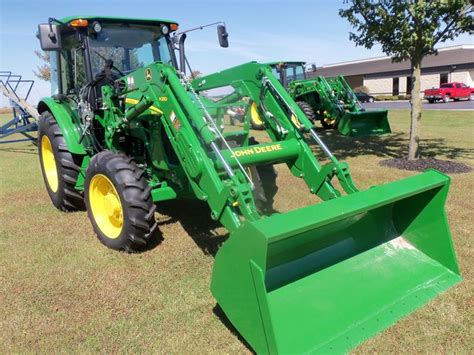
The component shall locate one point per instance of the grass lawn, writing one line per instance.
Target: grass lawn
(62, 290)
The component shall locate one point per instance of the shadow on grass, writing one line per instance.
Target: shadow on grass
(394, 145)
(217, 310)
(194, 217)
(31, 149)
(155, 239)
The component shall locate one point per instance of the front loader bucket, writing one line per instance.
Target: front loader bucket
(326, 277)
(364, 123)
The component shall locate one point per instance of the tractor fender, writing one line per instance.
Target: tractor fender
(66, 121)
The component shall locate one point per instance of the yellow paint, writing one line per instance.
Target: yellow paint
(49, 164)
(153, 109)
(106, 206)
(131, 101)
(254, 116)
(256, 150)
(295, 121)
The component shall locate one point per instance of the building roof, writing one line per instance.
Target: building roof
(453, 56)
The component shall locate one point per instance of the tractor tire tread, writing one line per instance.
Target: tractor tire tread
(307, 110)
(139, 224)
(66, 198)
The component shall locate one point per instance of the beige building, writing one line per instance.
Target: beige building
(383, 77)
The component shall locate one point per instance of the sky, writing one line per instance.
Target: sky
(261, 30)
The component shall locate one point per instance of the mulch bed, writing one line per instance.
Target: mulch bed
(445, 166)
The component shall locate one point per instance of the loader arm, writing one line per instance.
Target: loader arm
(284, 123)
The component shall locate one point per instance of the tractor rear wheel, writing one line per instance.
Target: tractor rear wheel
(307, 110)
(60, 168)
(119, 202)
(256, 121)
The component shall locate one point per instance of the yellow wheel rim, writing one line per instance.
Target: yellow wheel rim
(49, 164)
(256, 119)
(295, 121)
(106, 206)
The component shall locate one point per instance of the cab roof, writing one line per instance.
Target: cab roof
(111, 19)
(286, 62)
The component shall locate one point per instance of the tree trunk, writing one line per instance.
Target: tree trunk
(415, 102)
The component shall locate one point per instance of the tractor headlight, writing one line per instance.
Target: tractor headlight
(165, 30)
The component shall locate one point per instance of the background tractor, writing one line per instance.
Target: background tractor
(330, 101)
(125, 128)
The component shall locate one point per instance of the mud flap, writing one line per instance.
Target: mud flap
(326, 277)
(364, 123)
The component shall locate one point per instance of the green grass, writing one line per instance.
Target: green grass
(62, 290)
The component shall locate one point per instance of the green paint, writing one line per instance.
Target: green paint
(155, 22)
(332, 99)
(163, 193)
(327, 277)
(321, 278)
(67, 121)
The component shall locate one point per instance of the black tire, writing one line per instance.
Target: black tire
(431, 101)
(264, 179)
(307, 110)
(137, 207)
(63, 193)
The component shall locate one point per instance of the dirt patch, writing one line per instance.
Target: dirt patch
(445, 166)
(5, 109)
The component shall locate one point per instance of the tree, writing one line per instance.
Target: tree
(195, 74)
(44, 70)
(409, 30)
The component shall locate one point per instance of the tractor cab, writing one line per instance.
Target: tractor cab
(286, 72)
(89, 51)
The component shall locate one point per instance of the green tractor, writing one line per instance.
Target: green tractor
(126, 128)
(330, 101)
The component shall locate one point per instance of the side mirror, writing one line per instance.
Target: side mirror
(49, 36)
(313, 67)
(223, 36)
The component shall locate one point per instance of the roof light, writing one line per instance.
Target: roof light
(79, 23)
(174, 26)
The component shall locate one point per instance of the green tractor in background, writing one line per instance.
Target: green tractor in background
(330, 101)
(126, 128)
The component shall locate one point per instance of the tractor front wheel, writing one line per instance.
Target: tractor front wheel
(60, 168)
(119, 202)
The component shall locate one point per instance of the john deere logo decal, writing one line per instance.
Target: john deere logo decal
(148, 74)
(256, 150)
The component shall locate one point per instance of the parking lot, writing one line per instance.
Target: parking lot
(453, 105)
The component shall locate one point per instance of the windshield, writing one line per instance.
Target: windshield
(295, 72)
(128, 47)
(447, 86)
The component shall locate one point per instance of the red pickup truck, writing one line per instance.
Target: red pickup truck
(449, 91)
